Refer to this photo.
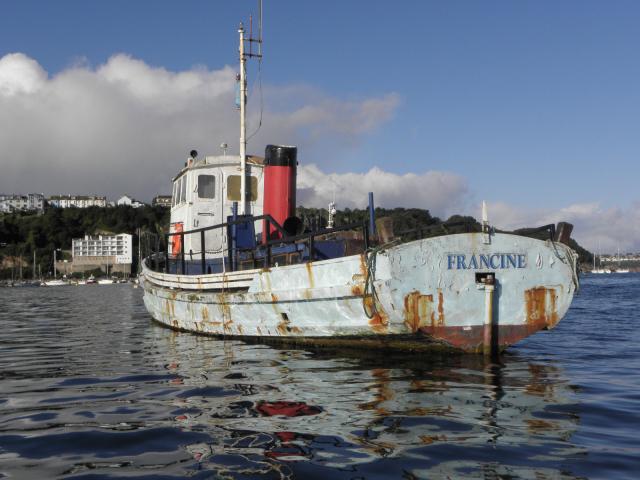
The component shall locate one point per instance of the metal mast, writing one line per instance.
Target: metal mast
(244, 201)
(243, 129)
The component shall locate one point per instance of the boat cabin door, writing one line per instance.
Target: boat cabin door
(208, 211)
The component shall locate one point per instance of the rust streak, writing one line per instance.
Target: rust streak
(379, 323)
(440, 308)
(226, 313)
(309, 267)
(363, 265)
(553, 317)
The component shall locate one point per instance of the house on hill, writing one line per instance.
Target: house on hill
(129, 201)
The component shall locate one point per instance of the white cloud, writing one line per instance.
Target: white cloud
(20, 74)
(125, 127)
(595, 227)
(440, 192)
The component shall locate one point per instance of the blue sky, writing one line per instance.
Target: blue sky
(536, 104)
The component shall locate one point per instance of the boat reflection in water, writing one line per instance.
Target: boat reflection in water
(293, 414)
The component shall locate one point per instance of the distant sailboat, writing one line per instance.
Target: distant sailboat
(106, 281)
(596, 270)
(620, 270)
(599, 270)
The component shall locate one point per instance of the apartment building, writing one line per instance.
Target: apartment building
(77, 201)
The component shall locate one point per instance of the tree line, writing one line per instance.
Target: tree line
(23, 233)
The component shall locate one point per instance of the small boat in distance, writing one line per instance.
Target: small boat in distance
(54, 283)
(239, 264)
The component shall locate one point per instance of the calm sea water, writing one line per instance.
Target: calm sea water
(91, 388)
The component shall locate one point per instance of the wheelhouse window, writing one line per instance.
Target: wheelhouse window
(233, 188)
(206, 186)
(183, 190)
(174, 198)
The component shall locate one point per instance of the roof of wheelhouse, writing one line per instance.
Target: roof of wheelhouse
(220, 161)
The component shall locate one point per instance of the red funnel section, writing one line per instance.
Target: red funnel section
(279, 186)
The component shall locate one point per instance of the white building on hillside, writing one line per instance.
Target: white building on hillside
(161, 201)
(17, 203)
(77, 201)
(113, 251)
(127, 200)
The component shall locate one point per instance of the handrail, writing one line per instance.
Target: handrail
(267, 217)
(264, 247)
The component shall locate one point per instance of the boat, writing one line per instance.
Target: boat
(54, 283)
(238, 263)
(105, 281)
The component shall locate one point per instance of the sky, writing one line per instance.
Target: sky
(532, 106)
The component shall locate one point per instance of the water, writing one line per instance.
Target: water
(91, 388)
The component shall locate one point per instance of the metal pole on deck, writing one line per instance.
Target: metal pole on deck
(202, 257)
(182, 253)
(234, 260)
(243, 128)
(372, 215)
(489, 344)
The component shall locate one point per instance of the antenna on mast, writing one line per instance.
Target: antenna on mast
(244, 55)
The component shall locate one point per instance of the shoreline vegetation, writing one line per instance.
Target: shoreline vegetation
(23, 233)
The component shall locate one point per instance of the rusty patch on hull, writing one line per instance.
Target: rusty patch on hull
(471, 338)
(284, 327)
(541, 307)
(418, 311)
(440, 308)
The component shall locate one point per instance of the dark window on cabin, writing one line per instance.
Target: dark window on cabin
(233, 188)
(206, 186)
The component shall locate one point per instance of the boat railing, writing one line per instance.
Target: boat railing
(539, 232)
(438, 230)
(545, 232)
(261, 253)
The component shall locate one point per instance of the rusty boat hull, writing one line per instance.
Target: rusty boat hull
(427, 295)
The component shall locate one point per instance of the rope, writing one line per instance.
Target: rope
(572, 260)
(370, 278)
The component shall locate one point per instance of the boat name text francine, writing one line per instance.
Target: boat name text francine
(496, 261)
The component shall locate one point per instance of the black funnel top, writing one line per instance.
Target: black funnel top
(281, 156)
